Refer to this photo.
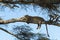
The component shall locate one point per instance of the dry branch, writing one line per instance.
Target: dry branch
(24, 19)
(9, 32)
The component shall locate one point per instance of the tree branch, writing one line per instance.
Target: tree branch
(32, 20)
(9, 32)
(31, 1)
(43, 3)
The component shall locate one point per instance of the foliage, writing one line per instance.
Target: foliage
(25, 33)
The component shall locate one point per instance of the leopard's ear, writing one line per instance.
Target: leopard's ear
(1, 18)
(26, 15)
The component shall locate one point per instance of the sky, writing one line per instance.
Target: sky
(7, 13)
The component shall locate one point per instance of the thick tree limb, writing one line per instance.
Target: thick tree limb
(24, 19)
(31, 1)
(43, 3)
